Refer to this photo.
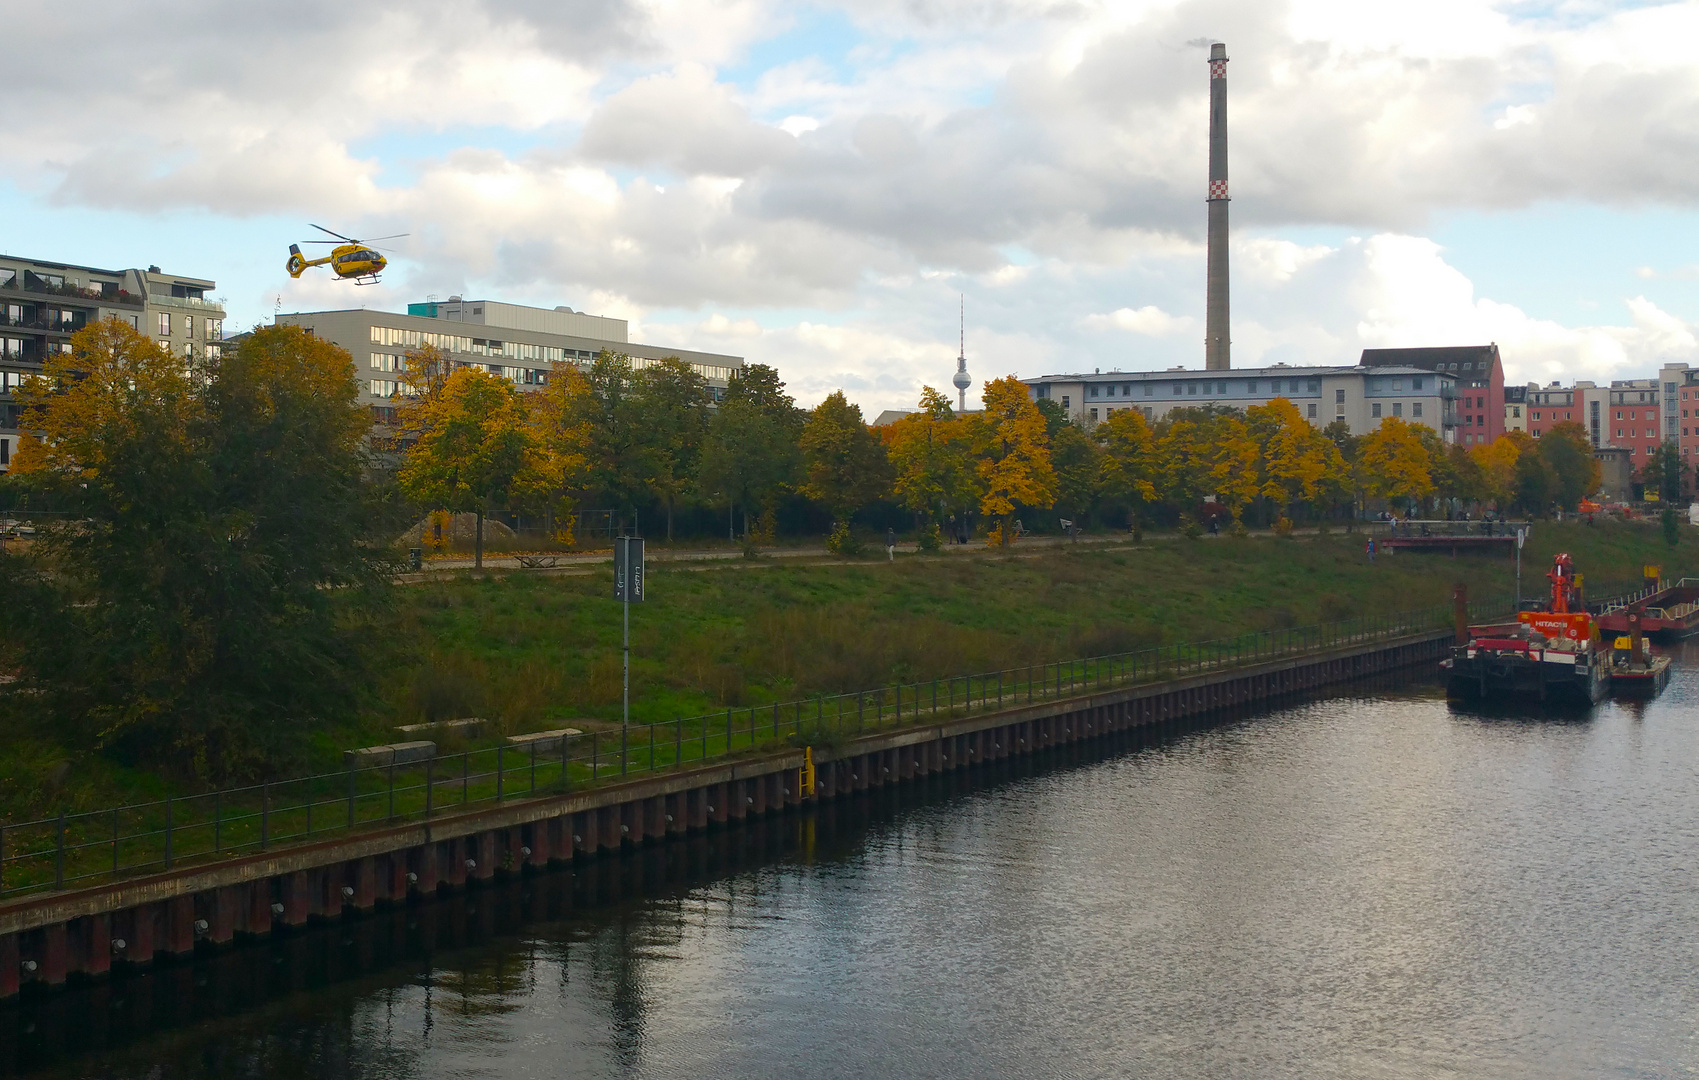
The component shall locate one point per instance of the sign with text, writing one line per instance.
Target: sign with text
(628, 569)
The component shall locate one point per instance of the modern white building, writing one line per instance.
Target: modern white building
(43, 303)
(1361, 396)
(517, 342)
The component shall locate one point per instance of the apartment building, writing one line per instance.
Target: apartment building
(511, 340)
(43, 303)
(1361, 396)
(1478, 372)
(1516, 408)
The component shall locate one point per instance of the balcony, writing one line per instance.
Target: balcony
(193, 303)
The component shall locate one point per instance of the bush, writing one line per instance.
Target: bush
(1283, 526)
(843, 541)
(931, 538)
(1189, 528)
(1239, 529)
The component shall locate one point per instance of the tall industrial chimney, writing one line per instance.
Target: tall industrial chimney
(1218, 339)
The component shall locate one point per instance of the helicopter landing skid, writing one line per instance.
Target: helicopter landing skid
(366, 279)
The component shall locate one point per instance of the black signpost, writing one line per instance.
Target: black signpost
(628, 590)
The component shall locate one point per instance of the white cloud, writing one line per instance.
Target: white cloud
(1149, 320)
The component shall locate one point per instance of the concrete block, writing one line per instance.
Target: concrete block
(544, 741)
(470, 727)
(377, 757)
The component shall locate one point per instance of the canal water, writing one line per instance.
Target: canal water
(1374, 884)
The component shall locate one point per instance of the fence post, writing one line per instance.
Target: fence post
(678, 739)
(728, 729)
(595, 757)
(534, 763)
(265, 813)
(59, 855)
(501, 773)
(899, 703)
(350, 796)
(465, 780)
(217, 821)
(3, 853)
(114, 843)
(652, 739)
(430, 784)
(167, 831)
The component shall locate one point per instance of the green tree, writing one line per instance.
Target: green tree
(1664, 471)
(749, 457)
(844, 464)
(1077, 460)
(1575, 472)
(620, 452)
(473, 446)
(204, 610)
(673, 400)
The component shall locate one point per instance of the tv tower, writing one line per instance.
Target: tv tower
(1218, 339)
(961, 379)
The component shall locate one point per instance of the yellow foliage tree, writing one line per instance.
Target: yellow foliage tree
(1394, 462)
(1497, 461)
(473, 445)
(1128, 469)
(1014, 455)
(930, 454)
(1295, 460)
(85, 404)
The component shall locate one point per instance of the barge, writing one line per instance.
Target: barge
(1553, 655)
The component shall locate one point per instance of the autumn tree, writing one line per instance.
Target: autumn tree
(1076, 458)
(201, 607)
(1496, 464)
(473, 445)
(844, 464)
(930, 455)
(1395, 463)
(1127, 468)
(1295, 461)
(1014, 460)
(1665, 472)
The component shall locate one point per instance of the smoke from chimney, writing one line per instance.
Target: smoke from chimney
(1218, 339)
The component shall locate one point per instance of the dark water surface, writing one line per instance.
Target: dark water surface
(1372, 885)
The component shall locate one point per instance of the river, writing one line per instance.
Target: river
(1372, 884)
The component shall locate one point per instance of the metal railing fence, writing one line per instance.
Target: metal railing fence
(73, 849)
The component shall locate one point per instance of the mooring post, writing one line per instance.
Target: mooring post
(1634, 638)
(1460, 611)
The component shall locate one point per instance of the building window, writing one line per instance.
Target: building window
(1374, 410)
(1312, 410)
(1416, 384)
(189, 326)
(1516, 411)
(1415, 408)
(5, 451)
(165, 322)
(1339, 396)
(1094, 414)
(1177, 390)
(1250, 386)
(1315, 386)
(1398, 408)
(1091, 392)
(1064, 401)
(1535, 415)
(1149, 389)
(1398, 384)
(1192, 388)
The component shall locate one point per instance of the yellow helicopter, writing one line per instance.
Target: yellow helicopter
(351, 258)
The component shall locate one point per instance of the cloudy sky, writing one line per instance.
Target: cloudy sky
(813, 185)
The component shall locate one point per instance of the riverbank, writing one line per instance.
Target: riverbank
(531, 652)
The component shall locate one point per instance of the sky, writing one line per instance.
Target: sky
(818, 186)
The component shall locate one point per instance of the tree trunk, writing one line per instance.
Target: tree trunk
(669, 519)
(478, 543)
(1003, 530)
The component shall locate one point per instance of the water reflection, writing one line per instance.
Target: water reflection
(1372, 885)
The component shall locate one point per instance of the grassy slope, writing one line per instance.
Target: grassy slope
(529, 651)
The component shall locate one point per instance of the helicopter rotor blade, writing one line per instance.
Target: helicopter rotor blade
(392, 236)
(339, 236)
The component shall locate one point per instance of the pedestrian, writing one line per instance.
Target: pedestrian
(1370, 548)
(891, 543)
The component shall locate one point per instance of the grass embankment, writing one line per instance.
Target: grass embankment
(532, 652)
